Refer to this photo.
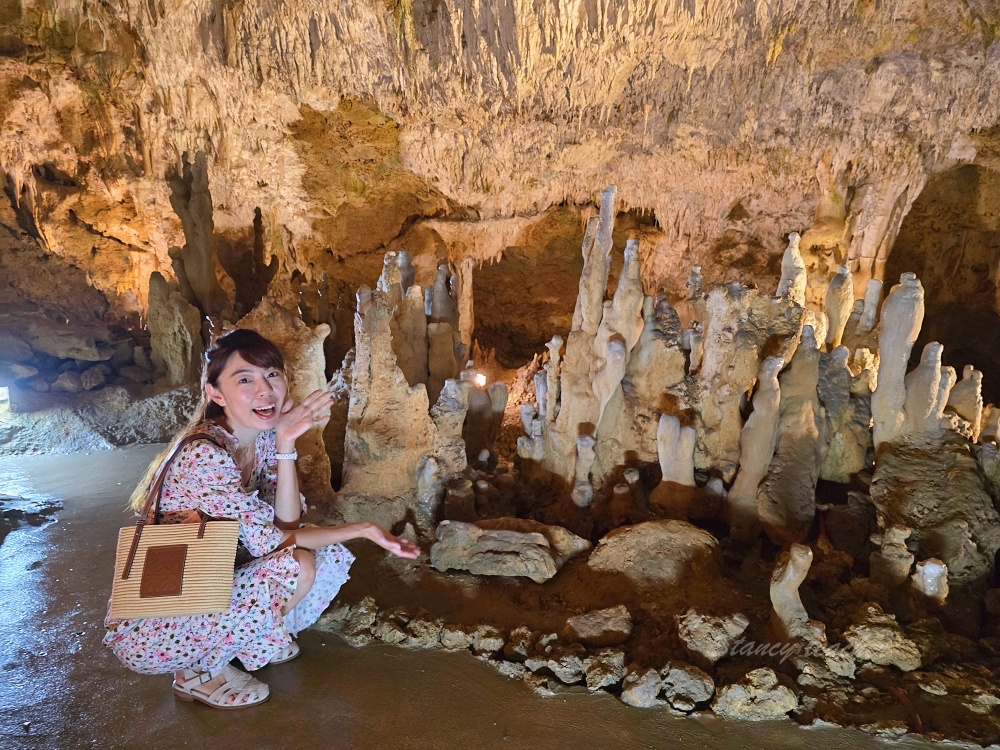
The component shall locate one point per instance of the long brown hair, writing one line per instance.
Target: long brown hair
(250, 345)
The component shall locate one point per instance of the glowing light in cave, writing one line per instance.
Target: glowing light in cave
(480, 379)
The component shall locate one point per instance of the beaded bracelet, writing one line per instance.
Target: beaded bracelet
(284, 456)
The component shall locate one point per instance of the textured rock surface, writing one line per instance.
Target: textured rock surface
(877, 637)
(463, 546)
(684, 686)
(602, 627)
(757, 696)
(658, 553)
(708, 638)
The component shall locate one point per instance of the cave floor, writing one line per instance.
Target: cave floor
(62, 689)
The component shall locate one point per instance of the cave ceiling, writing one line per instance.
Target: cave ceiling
(455, 129)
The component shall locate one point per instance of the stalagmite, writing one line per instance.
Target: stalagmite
(786, 500)
(541, 395)
(594, 279)
(927, 388)
(406, 271)
(390, 283)
(873, 294)
(966, 399)
(675, 448)
(624, 317)
(902, 315)
(634, 481)
(463, 298)
(818, 663)
(696, 347)
(552, 378)
(694, 307)
(757, 443)
(583, 490)
(409, 336)
(839, 301)
(441, 362)
(531, 445)
(442, 307)
(930, 580)
(174, 333)
(609, 377)
(498, 403)
(792, 284)
(890, 564)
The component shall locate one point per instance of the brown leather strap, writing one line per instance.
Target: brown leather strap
(151, 509)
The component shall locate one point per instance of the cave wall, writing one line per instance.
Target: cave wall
(454, 126)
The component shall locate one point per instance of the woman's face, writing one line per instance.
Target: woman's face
(251, 396)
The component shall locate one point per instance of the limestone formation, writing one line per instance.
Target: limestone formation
(623, 318)
(902, 315)
(756, 697)
(891, 563)
(684, 686)
(735, 340)
(966, 399)
(549, 412)
(409, 336)
(757, 443)
(463, 546)
(609, 377)
(596, 252)
(930, 581)
(707, 638)
(192, 201)
(583, 490)
(174, 333)
(839, 301)
(602, 627)
(675, 447)
(658, 553)
(927, 389)
(441, 362)
(876, 637)
(819, 663)
(564, 544)
(305, 368)
(792, 284)
(869, 316)
(786, 499)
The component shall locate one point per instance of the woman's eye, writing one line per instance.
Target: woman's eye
(274, 374)
(244, 380)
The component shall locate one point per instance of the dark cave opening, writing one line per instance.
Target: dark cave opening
(951, 240)
(529, 294)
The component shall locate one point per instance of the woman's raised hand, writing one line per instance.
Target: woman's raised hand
(296, 419)
(396, 545)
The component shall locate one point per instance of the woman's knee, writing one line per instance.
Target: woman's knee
(307, 567)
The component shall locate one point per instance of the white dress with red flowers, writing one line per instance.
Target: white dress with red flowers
(205, 477)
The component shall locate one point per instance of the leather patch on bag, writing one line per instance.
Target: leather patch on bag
(163, 571)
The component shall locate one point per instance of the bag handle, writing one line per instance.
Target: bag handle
(151, 509)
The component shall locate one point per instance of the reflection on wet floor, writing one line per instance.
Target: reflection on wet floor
(60, 689)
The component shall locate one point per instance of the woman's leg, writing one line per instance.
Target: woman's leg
(305, 579)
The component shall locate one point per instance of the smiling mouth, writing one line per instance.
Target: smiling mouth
(266, 412)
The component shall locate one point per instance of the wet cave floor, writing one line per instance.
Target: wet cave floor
(60, 688)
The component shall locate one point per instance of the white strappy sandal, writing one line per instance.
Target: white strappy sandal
(240, 690)
(288, 653)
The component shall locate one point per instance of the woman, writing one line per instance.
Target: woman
(285, 575)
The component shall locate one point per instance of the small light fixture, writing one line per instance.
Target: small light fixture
(480, 379)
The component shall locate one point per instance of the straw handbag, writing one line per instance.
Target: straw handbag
(166, 570)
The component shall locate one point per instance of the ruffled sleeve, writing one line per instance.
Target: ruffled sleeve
(205, 477)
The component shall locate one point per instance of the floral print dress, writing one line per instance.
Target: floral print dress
(205, 477)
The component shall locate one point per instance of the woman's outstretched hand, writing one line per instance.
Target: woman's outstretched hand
(296, 419)
(396, 545)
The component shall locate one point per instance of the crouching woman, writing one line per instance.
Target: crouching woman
(286, 575)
